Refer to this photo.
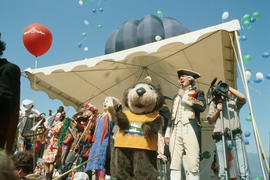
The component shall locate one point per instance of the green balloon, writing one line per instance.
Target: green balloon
(159, 13)
(99, 26)
(206, 155)
(246, 23)
(247, 58)
(239, 38)
(84, 1)
(248, 69)
(248, 119)
(246, 17)
(84, 35)
(256, 15)
(257, 178)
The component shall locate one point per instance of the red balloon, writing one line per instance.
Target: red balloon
(37, 39)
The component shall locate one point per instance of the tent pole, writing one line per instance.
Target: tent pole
(249, 103)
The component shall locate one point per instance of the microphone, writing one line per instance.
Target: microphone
(213, 82)
(181, 86)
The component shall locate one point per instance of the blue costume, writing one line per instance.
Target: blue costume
(100, 143)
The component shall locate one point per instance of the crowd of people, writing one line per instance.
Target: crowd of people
(80, 147)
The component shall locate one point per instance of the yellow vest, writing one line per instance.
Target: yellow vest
(134, 136)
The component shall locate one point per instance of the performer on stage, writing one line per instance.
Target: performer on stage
(183, 134)
(51, 151)
(26, 111)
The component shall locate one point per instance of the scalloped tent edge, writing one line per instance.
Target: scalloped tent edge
(47, 78)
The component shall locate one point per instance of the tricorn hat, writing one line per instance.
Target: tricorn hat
(194, 74)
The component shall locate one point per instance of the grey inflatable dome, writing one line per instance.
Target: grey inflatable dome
(139, 32)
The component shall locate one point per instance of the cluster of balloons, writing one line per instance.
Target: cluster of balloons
(242, 38)
(247, 133)
(80, 45)
(99, 26)
(81, 2)
(259, 76)
(84, 35)
(248, 19)
(100, 10)
(86, 22)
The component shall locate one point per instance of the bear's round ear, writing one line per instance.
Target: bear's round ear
(119, 107)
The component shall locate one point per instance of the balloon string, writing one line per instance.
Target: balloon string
(34, 137)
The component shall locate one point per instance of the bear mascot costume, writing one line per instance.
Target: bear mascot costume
(134, 155)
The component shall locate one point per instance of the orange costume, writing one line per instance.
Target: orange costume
(52, 148)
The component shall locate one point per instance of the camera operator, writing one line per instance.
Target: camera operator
(231, 123)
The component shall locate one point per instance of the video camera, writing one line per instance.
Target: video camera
(215, 92)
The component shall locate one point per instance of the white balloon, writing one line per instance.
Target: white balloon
(85, 22)
(225, 15)
(248, 75)
(80, 2)
(85, 48)
(158, 38)
(259, 75)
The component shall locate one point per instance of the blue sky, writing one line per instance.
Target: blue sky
(65, 19)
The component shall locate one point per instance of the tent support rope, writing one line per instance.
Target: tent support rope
(183, 48)
(112, 86)
(162, 77)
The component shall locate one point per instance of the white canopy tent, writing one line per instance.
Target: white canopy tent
(207, 51)
(210, 51)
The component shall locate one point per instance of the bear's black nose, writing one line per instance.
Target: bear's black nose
(140, 91)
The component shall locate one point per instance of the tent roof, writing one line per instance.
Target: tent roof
(207, 51)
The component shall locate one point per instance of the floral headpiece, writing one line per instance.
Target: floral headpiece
(91, 107)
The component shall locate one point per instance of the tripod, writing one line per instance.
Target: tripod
(235, 143)
(224, 146)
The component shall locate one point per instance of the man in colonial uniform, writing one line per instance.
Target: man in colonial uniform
(183, 134)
